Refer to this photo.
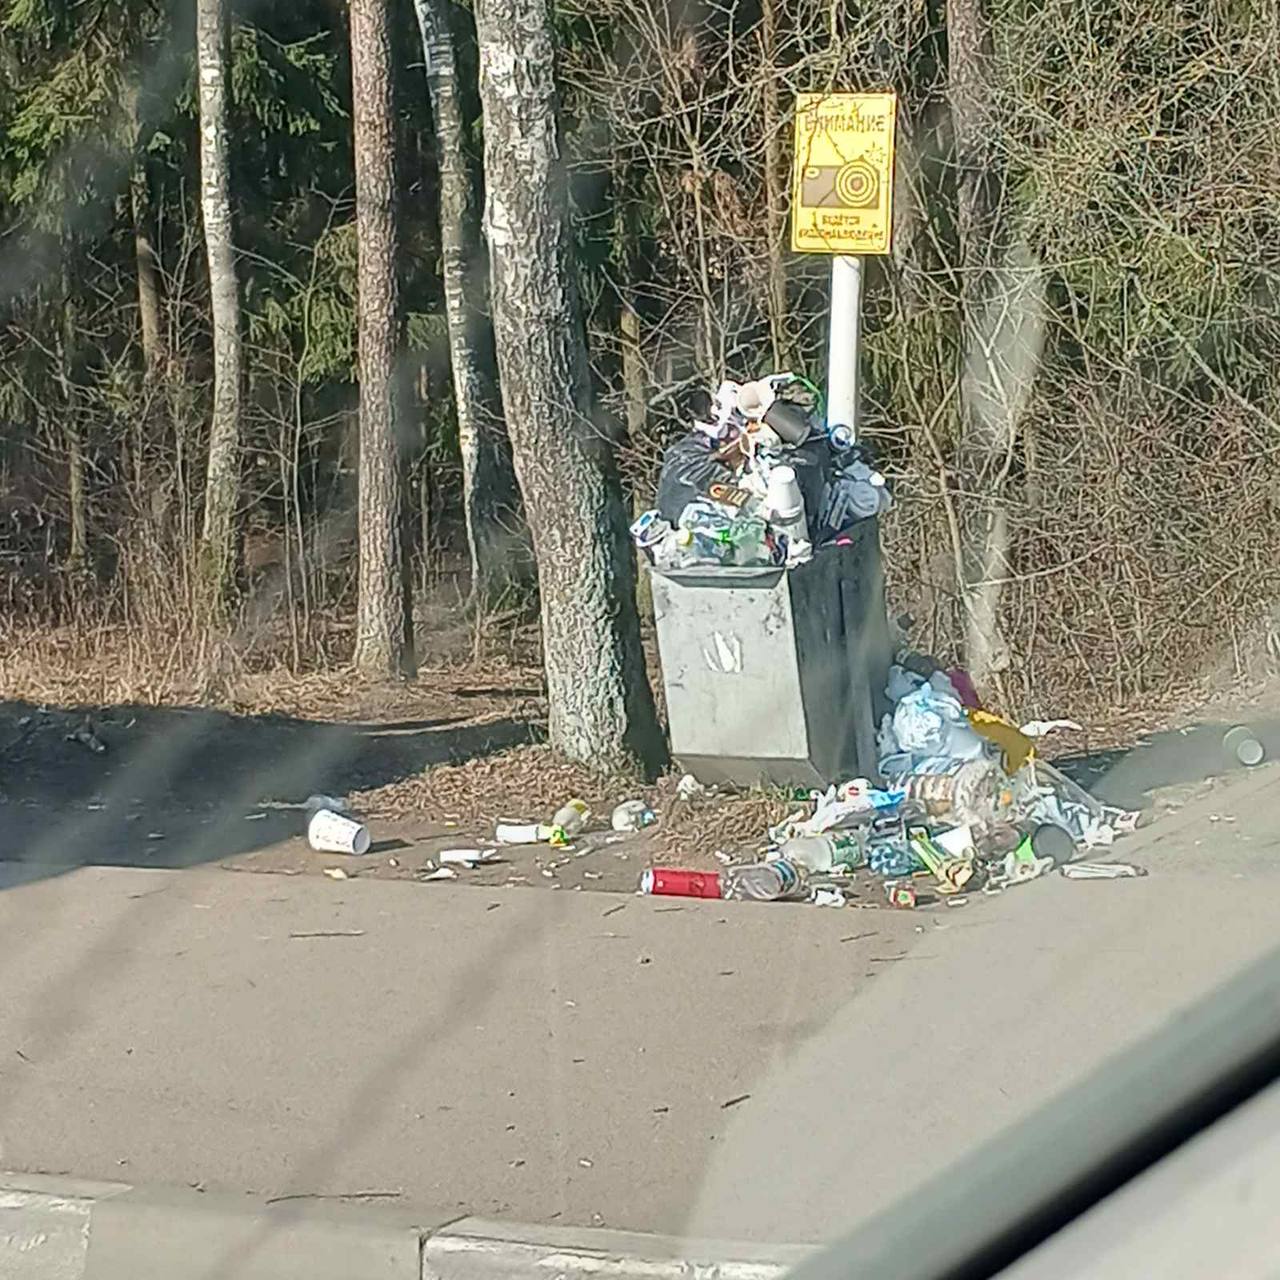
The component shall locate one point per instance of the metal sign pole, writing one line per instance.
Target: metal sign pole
(844, 348)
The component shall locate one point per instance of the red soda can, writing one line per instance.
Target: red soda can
(675, 883)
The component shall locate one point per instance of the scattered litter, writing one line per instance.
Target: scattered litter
(336, 873)
(900, 894)
(585, 1163)
(827, 898)
(88, 737)
(522, 833)
(568, 821)
(1241, 743)
(254, 817)
(733, 1102)
(329, 831)
(1042, 728)
(466, 857)
(689, 788)
(441, 873)
(155, 835)
(632, 815)
(676, 882)
(1102, 871)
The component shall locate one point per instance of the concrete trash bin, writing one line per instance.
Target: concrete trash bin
(776, 676)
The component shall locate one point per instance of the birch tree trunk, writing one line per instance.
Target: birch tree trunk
(496, 536)
(984, 435)
(222, 483)
(774, 188)
(601, 706)
(384, 640)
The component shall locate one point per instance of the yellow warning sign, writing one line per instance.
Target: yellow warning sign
(842, 182)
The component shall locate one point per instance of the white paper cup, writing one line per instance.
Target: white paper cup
(330, 832)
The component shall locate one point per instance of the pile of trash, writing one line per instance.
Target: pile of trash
(759, 481)
(963, 804)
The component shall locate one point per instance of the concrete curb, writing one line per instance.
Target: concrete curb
(72, 1229)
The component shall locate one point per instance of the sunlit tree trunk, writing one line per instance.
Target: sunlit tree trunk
(384, 640)
(495, 531)
(222, 484)
(774, 187)
(983, 439)
(601, 706)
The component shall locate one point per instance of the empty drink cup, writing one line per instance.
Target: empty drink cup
(1241, 744)
(330, 832)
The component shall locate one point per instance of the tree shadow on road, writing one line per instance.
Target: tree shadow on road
(175, 787)
(1131, 777)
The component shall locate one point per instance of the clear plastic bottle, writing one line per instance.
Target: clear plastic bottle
(822, 853)
(749, 536)
(774, 881)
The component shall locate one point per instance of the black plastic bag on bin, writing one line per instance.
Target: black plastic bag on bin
(692, 469)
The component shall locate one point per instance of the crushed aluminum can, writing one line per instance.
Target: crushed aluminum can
(900, 893)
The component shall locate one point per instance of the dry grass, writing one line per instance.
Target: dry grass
(529, 783)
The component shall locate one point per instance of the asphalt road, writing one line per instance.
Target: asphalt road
(729, 1070)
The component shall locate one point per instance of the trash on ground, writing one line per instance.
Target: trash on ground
(689, 788)
(87, 736)
(314, 803)
(964, 804)
(440, 873)
(678, 883)
(466, 857)
(1241, 744)
(827, 897)
(522, 833)
(336, 873)
(1102, 871)
(332, 832)
(632, 815)
(569, 820)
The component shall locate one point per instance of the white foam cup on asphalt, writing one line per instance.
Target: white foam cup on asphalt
(330, 832)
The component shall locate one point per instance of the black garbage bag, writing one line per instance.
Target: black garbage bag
(692, 470)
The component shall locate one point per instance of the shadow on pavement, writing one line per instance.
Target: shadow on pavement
(1129, 777)
(175, 787)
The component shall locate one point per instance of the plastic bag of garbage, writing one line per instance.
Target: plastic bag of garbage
(693, 469)
(930, 723)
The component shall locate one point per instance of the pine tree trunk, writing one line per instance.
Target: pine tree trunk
(144, 250)
(148, 274)
(601, 706)
(496, 535)
(66, 373)
(384, 643)
(222, 484)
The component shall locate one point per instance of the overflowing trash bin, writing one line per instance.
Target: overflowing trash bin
(768, 591)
